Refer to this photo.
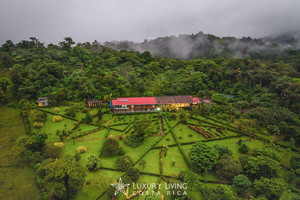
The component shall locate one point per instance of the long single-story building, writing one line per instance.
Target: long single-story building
(151, 104)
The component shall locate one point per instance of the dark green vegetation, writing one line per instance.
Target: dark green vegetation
(250, 132)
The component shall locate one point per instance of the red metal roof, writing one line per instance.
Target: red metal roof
(195, 100)
(154, 100)
(134, 101)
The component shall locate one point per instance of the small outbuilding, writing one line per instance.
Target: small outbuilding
(93, 102)
(42, 101)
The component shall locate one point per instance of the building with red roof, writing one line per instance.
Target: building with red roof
(151, 104)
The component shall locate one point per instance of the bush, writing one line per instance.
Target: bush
(244, 149)
(123, 163)
(56, 110)
(93, 163)
(39, 116)
(228, 168)
(241, 183)
(38, 124)
(133, 174)
(203, 157)
(59, 144)
(240, 142)
(110, 148)
(270, 188)
(81, 149)
(52, 151)
(222, 150)
(57, 118)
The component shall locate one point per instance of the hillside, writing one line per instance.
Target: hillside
(203, 45)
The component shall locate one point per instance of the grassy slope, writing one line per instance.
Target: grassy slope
(11, 127)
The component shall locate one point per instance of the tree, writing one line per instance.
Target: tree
(244, 149)
(203, 157)
(132, 175)
(241, 183)
(270, 188)
(142, 163)
(39, 116)
(192, 180)
(36, 142)
(88, 118)
(61, 177)
(222, 150)
(228, 168)
(261, 166)
(221, 192)
(93, 163)
(110, 147)
(123, 163)
(295, 162)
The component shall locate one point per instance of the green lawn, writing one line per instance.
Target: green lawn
(11, 127)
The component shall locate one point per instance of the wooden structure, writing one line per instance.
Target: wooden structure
(93, 103)
(42, 101)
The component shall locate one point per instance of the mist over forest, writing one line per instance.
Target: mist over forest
(201, 45)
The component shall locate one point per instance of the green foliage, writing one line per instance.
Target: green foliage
(270, 188)
(192, 180)
(221, 192)
(36, 142)
(132, 175)
(61, 177)
(261, 166)
(141, 129)
(123, 163)
(88, 118)
(110, 147)
(243, 148)
(241, 183)
(203, 157)
(39, 116)
(222, 150)
(93, 163)
(295, 162)
(228, 168)
(269, 152)
(71, 111)
(150, 195)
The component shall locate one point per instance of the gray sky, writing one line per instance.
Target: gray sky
(106, 20)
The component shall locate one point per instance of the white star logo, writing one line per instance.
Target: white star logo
(120, 187)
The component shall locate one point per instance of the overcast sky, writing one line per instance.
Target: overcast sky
(106, 20)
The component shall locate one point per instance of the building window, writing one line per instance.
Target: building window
(142, 110)
(153, 105)
(138, 106)
(148, 109)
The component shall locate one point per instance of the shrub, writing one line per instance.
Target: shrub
(203, 157)
(81, 149)
(241, 183)
(52, 151)
(270, 188)
(133, 174)
(222, 150)
(56, 110)
(110, 147)
(39, 116)
(77, 157)
(59, 144)
(93, 163)
(240, 142)
(228, 168)
(244, 149)
(38, 124)
(57, 118)
(123, 163)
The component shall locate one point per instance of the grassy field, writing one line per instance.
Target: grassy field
(98, 182)
(11, 173)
